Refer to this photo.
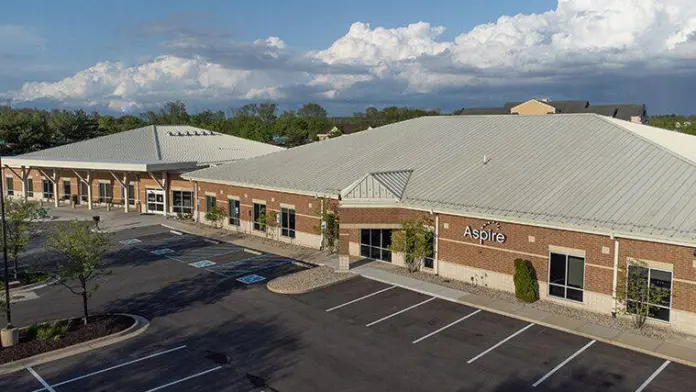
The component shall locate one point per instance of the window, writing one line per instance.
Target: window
(655, 278)
(84, 191)
(30, 187)
(210, 202)
(375, 243)
(287, 222)
(66, 190)
(429, 261)
(131, 194)
(259, 217)
(182, 202)
(566, 276)
(233, 213)
(47, 189)
(106, 192)
(10, 186)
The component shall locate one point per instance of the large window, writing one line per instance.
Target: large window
(84, 191)
(287, 222)
(375, 243)
(429, 261)
(66, 190)
(566, 276)
(47, 189)
(30, 187)
(259, 217)
(106, 192)
(233, 213)
(9, 186)
(210, 203)
(131, 194)
(650, 277)
(182, 202)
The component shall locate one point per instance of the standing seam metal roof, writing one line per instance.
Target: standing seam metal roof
(577, 170)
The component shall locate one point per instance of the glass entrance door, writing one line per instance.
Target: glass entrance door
(155, 201)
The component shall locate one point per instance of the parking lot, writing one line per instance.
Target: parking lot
(535, 356)
(213, 322)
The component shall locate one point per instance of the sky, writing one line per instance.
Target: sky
(130, 56)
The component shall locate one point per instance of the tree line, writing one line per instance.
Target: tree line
(26, 130)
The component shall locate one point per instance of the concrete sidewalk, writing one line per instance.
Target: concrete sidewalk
(676, 348)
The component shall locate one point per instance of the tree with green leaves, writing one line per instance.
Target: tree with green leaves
(271, 224)
(215, 215)
(414, 240)
(82, 250)
(525, 281)
(312, 110)
(19, 216)
(638, 295)
(328, 228)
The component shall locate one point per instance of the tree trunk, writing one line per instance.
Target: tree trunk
(84, 305)
(16, 266)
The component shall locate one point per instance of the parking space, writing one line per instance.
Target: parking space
(526, 355)
(172, 368)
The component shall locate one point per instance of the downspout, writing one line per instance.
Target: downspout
(436, 256)
(615, 280)
(321, 224)
(196, 202)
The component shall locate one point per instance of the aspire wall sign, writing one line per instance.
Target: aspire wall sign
(486, 233)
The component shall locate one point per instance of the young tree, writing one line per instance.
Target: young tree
(327, 212)
(19, 215)
(82, 250)
(414, 240)
(525, 281)
(271, 224)
(215, 215)
(639, 296)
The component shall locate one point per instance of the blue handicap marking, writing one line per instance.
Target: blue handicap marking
(251, 279)
(202, 264)
(163, 251)
(130, 241)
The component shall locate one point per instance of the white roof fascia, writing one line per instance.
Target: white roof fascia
(120, 166)
(518, 221)
(263, 187)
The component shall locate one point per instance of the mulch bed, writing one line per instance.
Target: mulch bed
(98, 326)
(25, 277)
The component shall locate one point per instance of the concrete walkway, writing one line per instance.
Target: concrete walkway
(677, 348)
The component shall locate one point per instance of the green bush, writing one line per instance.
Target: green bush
(525, 281)
(48, 331)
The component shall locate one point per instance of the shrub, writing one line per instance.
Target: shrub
(215, 216)
(48, 331)
(525, 281)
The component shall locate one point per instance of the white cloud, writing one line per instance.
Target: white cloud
(576, 44)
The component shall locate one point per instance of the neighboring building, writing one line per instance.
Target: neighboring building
(632, 113)
(579, 195)
(342, 129)
(139, 169)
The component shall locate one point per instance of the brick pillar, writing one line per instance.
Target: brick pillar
(343, 250)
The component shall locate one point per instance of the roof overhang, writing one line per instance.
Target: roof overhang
(326, 194)
(58, 163)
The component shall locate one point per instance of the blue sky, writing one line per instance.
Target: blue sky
(130, 55)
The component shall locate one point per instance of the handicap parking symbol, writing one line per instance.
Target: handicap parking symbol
(251, 279)
(161, 252)
(130, 241)
(202, 264)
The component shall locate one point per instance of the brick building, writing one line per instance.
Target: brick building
(138, 170)
(578, 195)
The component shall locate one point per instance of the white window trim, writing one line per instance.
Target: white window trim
(671, 286)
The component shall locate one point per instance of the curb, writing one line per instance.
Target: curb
(139, 326)
(33, 286)
(325, 285)
(545, 324)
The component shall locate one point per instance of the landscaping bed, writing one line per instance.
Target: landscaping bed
(307, 280)
(45, 337)
(25, 278)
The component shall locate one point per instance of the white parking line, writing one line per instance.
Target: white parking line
(445, 327)
(184, 379)
(399, 312)
(41, 380)
(652, 376)
(359, 299)
(560, 365)
(120, 365)
(500, 343)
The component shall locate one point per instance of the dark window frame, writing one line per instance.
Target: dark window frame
(379, 251)
(30, 187)
(105, 193)
(258, 208)
(179, 206)
(47, 191)
(9, 186)
(288, 221)
(210, 202)
(234, 212)
(562, 290)
(649, 279)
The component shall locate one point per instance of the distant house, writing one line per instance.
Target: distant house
(342, 129)
(634, 113)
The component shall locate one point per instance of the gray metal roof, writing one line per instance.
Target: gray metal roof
(580, 171)
(381, 185)
(161, 143)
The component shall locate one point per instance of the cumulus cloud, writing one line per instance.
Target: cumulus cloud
(607, 44)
